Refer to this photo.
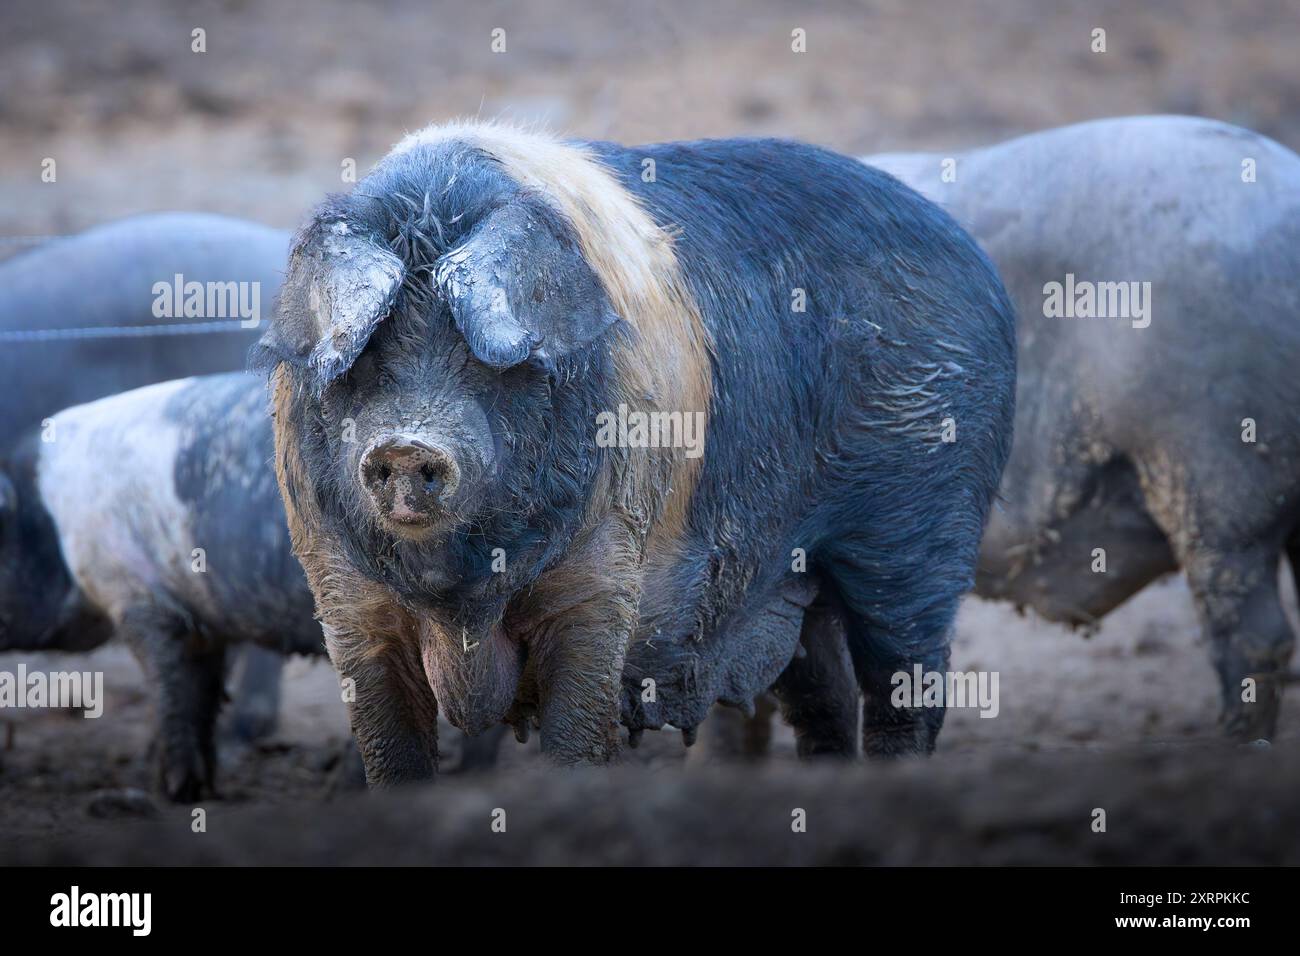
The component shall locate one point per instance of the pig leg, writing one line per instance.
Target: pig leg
(392, 710)
(256, 709)
(1231, 564)
(189, 674)
(817, 694)
(583, 614)
(579, 677)
(889, 731)
(891, 636)
(1237, 600)
(756, 733)
(817, 691)
(725, 735)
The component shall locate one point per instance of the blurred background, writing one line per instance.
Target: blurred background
(261, 125)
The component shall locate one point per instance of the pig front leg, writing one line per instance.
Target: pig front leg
(188, 672)
(391, 708)
(578, 671)
(581, 617)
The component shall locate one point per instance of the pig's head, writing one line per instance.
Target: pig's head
(437, 326)
(41, 608)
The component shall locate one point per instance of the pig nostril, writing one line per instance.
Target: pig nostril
(375, 474)
(433, 482)
(409, 478)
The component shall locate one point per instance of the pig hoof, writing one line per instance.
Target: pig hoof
(186, 784)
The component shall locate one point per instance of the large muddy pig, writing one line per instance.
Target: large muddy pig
(1167, 435)
(544, 407)
(78, 321)
(154, 515)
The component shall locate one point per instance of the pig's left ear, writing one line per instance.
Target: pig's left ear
(520, 288)
(340, 285)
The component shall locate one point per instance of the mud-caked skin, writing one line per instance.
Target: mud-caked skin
(450, 336)
(1130, 439)
(155, 515)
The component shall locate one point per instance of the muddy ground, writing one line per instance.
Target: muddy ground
(1123, 721)
(259, 127)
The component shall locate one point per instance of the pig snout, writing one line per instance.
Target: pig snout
(410, 481)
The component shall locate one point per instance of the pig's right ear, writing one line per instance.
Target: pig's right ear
(339, 286)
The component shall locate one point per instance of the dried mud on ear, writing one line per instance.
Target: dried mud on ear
(342, 282)
(630, 255)
(357, 286)
(519, 287)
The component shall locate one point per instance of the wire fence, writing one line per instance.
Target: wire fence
(27, 336)
(122, 332)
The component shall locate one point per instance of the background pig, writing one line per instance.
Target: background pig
(59, 305)
(83, 558)
(71, 317)
(447, 338)
(1130, 439)
(154, 514)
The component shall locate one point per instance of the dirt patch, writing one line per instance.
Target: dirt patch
(1123, 721)
(1161, 807)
